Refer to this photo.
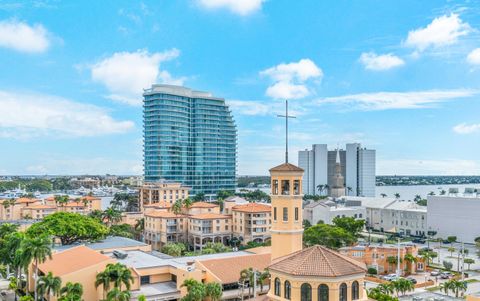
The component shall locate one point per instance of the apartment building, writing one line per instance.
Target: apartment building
(327, 210)
(162, 193)
(162, 227)
(203, 222)
(32, 208)
(252, 222)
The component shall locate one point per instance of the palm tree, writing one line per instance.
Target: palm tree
(244, 277)
(71, 292)
(383, 195)
(111, 216)
(443, 192)
(320, 188)
(386, 288)
(451, 250)
(118, 295)
(349, 189)
(458, 286)
(177, 206)
(196, 290)
(326, 188)
(49, 285)
(417, 198)
(187, 203)
(410, 259)
(446, 287)
(392, 260)
(431, 193)
(119, 274)
(61, 200)
(213, 290)
(397, 195)
(37, 249)
(103, 279)
(402, 286)
(139, 228)
(262, 277)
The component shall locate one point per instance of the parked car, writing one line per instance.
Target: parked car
(445, 275)
(390, 277)
(419, 240)
(412, 280)
(435, 273)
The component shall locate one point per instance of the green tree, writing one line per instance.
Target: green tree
(120, 275)
(195, 290)
(61, 200)
(422, 202)
(26, 298)
(451, 250)
(223, 194)
(174, 249)
(111, 216)
(402, 286)
(350, 224)
(306, 224)
(37, 249)
(142, 298)
(396, 195)
(443, 192)
(103, 279)
(69, 228)
(187, 203)
(71, 292)
(383, 195)
(213, 290)
(123, 230)
(431, 193)
(263, 277)
(327, 235)
(451, 239)
(447, 265)
(469, 262)
(49, 285)
(118, 295)
(177, 206)
(199, 197)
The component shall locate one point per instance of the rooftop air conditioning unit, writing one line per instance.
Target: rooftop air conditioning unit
(120, 254)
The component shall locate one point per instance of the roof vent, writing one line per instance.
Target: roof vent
(120, 254)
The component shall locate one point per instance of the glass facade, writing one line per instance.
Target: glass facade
(189, 137)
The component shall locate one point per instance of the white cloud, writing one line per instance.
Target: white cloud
(373, 61)
(443, 31)
(398, 100)
(250, 108)
(239, 7)
(33, 115)
(22, 37)
(126, 74)
(464, 128)
(474, 57)
(290, 80)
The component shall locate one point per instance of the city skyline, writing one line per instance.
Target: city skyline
(401, 79)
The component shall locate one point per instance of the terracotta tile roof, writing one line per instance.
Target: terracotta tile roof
(317, 261)
(73, 204)
(260, 250)
(210, 216)
(160, 206)
(26, 200)
(286, 167)
(203, 205)
(252, 207)
(164, 214)
(72, 260)
(227, 270)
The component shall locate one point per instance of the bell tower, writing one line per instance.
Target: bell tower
(287, 220)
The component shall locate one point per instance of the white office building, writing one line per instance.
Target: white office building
(393, 215)
(455, 215)
(357, 165)
(327, 210)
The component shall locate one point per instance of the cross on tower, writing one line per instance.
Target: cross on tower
(286, 116)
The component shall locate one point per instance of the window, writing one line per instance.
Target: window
(144, 279)
(274, 213)
(355, 291)
(277, 287)
(285, 214)
(322, 292)
(296, 213)
(275, 187)
(288, 289)
(285, 187)
(343, 292)
(306, 292)
(296, 187)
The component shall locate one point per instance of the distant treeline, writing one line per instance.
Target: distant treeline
(254, 181)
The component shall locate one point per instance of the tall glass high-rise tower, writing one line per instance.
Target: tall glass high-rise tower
(189, 137)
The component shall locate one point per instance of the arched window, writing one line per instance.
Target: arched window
(306, 292)
(277, 287)
(355, 291)
(287, 290)
(343, 292)
(322, 292)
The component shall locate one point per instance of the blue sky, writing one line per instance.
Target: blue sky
(402, 77)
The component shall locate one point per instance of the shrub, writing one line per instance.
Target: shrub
(372, 271)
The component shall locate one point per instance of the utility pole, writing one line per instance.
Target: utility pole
(398, 259)
(463, 261)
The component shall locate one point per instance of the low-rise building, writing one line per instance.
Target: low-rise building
(209, 227)
(162, 227)
(162, 193)
(393, 215)
(454, 215)
(326, 210)
(383, 257)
